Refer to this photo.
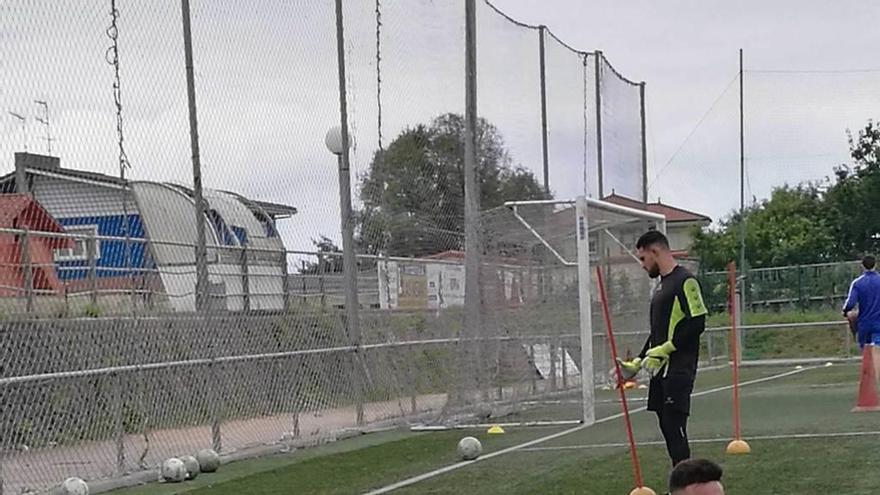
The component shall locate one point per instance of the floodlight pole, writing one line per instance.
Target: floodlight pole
(201, 251)
(349, 266)
(473, 246)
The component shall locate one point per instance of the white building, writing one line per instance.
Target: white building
(159, 218)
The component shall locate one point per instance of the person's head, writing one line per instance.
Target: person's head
(653, 251)
(696, 477)
(869, 262)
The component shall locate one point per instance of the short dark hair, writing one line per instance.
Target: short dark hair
(693, 472)
(652, 238)
(869, 262)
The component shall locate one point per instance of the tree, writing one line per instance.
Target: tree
(854, 200)
(805, 224)
(324, 263)
(790, 228)
(413, 194)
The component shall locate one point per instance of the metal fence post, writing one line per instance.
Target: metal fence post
(305, 287)
(216, 438)
(91, 255)
(552, 351)
(644, 142)
(543, 84)
(245, 279)
(710, 347)
(285, 282)
(800, 282)
(321, 282)
(118, 423)
(597, 59)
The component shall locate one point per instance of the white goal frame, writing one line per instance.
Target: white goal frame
(583, 229)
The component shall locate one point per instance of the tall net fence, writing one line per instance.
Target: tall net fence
(112, 362)
(623, 164)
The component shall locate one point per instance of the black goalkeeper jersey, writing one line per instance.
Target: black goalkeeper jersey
(678, 314)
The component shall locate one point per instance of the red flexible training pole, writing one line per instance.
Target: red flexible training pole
(737, 446)
(637, 470)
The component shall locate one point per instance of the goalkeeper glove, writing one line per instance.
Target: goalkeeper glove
(629, 369)
(657, 357)
(661, 351)
(653, 364)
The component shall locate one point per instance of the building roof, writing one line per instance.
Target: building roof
(20, 211)
(49, 166)
(673, 214)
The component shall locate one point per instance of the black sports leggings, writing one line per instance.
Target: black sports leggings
(673, 424)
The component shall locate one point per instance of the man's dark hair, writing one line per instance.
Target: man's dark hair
(694, 472)
(869, 262)
(652, 238)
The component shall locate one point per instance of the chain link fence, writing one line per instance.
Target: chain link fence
(171, 269)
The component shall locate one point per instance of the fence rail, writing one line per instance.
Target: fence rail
(801, 287)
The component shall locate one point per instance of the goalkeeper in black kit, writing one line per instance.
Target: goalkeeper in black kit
(678, 318)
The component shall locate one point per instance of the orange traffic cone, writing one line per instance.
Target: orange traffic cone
(867, 399)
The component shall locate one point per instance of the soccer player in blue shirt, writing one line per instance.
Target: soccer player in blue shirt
(864, 294)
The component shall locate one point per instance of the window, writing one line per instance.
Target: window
(80, 249)
(226, 238)
(240, 234)
(267, 223)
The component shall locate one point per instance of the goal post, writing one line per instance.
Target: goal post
(541, 355)
(585, 308)
(566, 240)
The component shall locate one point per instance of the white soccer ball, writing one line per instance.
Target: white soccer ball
(74, 486)
(209, 461)
(469, 448)
(173, 470)
(192, 466)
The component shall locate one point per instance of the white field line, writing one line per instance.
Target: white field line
(459, 465)
(795, 436)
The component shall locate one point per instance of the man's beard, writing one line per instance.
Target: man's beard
(654, 272)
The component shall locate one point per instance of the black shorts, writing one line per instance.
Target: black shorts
(671, 392)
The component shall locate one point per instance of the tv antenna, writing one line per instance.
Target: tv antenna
(45, 121)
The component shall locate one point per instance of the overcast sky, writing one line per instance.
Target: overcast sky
(686, 51)
(267, 90)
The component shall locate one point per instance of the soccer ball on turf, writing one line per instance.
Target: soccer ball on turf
(469, 448)
(209, 461)
(173, 470)
(74, 486)
(192, 466)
